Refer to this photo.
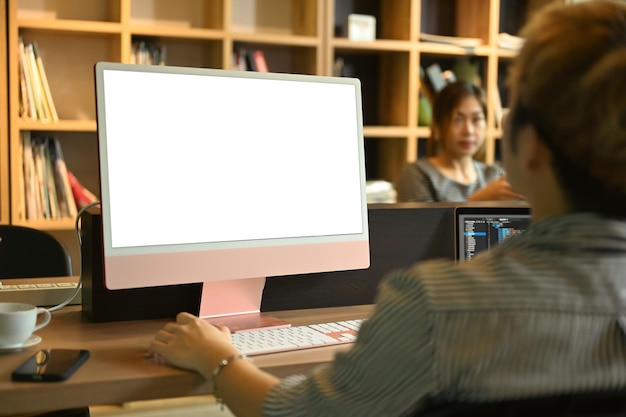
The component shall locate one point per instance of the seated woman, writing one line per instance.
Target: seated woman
(450, 173)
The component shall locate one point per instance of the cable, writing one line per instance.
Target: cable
(79, 239)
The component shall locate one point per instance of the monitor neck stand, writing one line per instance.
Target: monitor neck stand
(236, 304)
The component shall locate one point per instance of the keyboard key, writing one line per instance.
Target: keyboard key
(8, 287)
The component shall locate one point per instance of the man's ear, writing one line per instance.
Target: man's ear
(535, 154)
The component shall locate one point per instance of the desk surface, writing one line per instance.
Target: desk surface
(118, 370)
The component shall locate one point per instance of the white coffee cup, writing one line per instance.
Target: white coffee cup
(18, 321)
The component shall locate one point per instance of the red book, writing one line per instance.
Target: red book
(82, 196)
(259, 61)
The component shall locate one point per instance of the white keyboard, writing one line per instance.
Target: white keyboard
(258, 342)
(40, 294)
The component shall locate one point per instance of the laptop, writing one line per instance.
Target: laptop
(478, 229)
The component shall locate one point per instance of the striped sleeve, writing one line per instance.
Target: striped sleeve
(386, 372)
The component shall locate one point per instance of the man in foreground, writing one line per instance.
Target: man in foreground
(543, 313)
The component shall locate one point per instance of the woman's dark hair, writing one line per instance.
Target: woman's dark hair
(445, 103)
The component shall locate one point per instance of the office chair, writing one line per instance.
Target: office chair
(591, 404)
(29, 253)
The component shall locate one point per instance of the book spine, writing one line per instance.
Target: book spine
(259, 61)
(28, 167)
(250, 64)
(47, 94)
(31, 110)
(53, 196)
(43, 201)
(38, 95)
(63, 179)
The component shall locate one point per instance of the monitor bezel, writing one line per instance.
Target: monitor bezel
(353, 243)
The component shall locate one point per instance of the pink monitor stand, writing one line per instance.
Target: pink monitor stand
(240, 309)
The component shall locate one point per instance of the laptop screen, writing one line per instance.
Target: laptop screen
(480, 228)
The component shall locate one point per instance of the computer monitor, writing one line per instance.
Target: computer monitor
(227, 177)
(478, 229)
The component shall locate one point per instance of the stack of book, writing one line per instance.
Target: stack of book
(245, 60)
(463, 42)
(35, 97)
(147, 52)
(506, 41)
(47, 190)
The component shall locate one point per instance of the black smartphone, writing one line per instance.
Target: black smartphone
(50, 365)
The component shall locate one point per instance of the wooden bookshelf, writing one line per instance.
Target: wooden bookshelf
(4, 125)
(299, 36)
(389, 66)
(73, 35)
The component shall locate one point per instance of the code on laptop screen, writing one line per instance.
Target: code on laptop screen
(479, 232)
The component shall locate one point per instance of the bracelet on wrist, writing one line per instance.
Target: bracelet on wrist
(218, 369)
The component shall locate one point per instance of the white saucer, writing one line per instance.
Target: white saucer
(32, 341)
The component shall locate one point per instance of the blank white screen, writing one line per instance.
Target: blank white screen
(195, 158)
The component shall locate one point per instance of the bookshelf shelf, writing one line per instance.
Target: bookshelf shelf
(60, 126)
(442, 49)
(49, 225)
(272, 39)
(173, 32)
(506, 53)
(300, 36)
(70, 26)
(378, 45)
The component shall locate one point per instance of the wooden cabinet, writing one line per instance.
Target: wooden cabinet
(300, 36)
(4, 125)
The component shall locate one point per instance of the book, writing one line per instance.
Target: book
(57, 181)
(24, 104)
(250, 64)
(259, 61)
(338, 67)
(436, 77)
(452, 40)
(43, 199)
(141, 54)
(61, 173)
(30, 111)
(38, 94)
(53, 195)
(507, 41)
(47, 95)
(82, 195)
(28, 170)
(239, 60)
(146, 52)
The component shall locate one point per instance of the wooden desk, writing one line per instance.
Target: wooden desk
(118, 370)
